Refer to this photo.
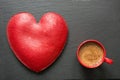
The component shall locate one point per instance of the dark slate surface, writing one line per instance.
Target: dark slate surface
(86, 19)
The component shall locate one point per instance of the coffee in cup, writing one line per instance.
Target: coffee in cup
(91, 54)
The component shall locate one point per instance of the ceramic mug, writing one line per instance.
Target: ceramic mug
(103, 59)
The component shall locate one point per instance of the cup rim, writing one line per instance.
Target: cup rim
(94, 41)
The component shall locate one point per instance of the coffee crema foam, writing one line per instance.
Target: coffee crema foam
(91, 54)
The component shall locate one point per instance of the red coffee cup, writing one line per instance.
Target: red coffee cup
(104, 58)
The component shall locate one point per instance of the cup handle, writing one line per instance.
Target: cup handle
(109, 61)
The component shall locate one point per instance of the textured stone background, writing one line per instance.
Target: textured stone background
(86, 19)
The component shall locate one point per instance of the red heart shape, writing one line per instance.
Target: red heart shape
(37, 45)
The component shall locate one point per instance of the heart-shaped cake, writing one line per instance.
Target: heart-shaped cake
(37, 45)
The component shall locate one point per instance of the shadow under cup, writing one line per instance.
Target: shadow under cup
(91, 54)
